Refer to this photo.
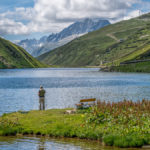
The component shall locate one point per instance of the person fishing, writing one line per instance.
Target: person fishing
(42, 98)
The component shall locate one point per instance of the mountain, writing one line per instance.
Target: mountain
(31, 45)
(77, 29)
(48, 46)
(13, 56)
(110, 45)
(137, 60)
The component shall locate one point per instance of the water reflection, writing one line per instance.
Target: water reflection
(34, 143)
(42, 145)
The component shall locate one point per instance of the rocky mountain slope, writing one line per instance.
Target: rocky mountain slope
(110, 45)
(31, 45)
(77, 29)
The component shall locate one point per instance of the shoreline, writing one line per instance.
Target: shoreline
(68, 141)
(68, 138)
(125, 126)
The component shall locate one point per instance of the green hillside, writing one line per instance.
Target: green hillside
(137, 60)
(133, 67)
(13, 56)
(112, 44)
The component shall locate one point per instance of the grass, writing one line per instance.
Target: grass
(13, 56)
(122, 124)
(97, 46)
(134, 48)
(133, 67)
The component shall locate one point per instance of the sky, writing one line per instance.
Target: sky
(21, 19)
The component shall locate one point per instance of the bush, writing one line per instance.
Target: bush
(121, 142)
(9, 132)
(109, 140)
(124, 141)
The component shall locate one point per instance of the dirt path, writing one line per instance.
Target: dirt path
(113, 37)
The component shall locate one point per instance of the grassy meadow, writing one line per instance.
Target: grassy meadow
(121, 124)
(133, 67)
(13, 56)
(120, 42)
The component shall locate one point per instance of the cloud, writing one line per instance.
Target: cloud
(133, 14)
(8, 26)
(52, 16)
(70, 10)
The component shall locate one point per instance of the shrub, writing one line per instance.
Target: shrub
(109, 140)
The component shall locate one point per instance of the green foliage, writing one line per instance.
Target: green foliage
(115, 43)
(124, 141)
(134, 67)
(13, 56)
(109, 140)
(122, 124)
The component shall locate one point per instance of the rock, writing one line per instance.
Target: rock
(146, 147)
(70, 111)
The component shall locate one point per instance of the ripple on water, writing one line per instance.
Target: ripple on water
(65, 87)
(34, 143)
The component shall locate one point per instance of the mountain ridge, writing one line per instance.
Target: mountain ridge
(108, 44)
(13, 56)
(75, 30)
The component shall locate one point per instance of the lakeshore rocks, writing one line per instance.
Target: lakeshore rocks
(70, 111)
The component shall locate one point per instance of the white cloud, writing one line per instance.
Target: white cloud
(127, 16)
(54, 15)
(8, 26)
(133, 14)
(69, 10)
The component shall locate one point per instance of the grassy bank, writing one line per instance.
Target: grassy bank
(134, 67)
(122, 124)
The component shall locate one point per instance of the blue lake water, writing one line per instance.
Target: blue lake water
(65, 87)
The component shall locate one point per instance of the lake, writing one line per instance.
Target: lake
(65, 87)
(35, 143)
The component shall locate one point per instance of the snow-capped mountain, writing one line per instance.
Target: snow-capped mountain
(45, 44)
